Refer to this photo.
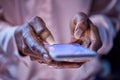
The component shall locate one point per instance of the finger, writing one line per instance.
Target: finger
(86, 42)
(95, 38)
(94, 45)
(35, 44)
(79, 24)
(41, 30)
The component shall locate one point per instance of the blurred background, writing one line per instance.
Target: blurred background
(57, 15)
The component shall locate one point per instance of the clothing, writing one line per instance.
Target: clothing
(56, 14)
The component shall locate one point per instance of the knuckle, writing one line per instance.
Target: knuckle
(37, 24)
(38, 20)
(35, 18)
(81, 14)
(26, 28)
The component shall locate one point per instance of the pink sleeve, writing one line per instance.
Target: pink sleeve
(7, 41)
(106, 30)
(9, 57)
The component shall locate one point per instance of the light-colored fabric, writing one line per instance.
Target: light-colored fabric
(9, 56)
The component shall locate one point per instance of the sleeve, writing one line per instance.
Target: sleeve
(103, 17)
(7, 40)
(106, 30)
(9, 57)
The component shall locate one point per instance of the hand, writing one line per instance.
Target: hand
(30, 39)
(85, 32)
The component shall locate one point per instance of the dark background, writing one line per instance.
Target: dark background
(114, 58)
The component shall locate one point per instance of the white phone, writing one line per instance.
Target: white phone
(70, 53)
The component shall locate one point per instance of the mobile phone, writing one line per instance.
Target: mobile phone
(70, 53)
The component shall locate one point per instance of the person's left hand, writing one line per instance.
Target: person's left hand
(85, 32)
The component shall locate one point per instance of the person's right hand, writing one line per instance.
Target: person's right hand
(30, 39)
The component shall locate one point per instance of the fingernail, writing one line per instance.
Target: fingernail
(78, 33)
(50, 40)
